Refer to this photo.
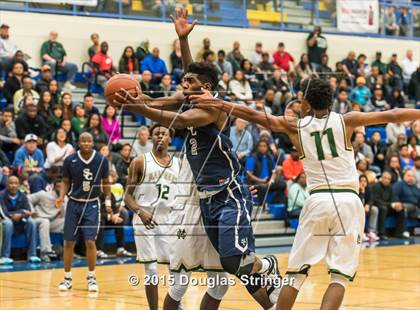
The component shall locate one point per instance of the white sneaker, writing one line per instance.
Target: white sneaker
(365, 238)
(101, 254)
(373, 237)
(69, 86)
(65, 285)
(406, 234)
(92, 285)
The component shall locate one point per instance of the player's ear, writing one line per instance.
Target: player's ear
(207, 86)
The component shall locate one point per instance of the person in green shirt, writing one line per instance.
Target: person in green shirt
(54, 55)
(79, 120)
(378, 63)
(297, 195)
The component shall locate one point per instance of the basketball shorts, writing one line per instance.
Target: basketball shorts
(227, 220)
(330, 229)
(82, 217)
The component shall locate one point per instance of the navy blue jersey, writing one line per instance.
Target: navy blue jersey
(85, 176)
(209, 152)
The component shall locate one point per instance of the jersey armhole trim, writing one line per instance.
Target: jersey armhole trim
(144, 169)
(346, 146)
(300, 141)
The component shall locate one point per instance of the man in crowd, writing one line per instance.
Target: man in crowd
(103, 65)
(27, 89)
(235, 56)
(201, 51)
(409, 66)
(280, 87)
(256, 56)
(94, 37)
(362, 147)
(8, 137)
(395, 73)
(241, 140)
(30, 122)
(378, 63)
(341, 104)
(282, 59)
(155, 65)
(54, 55)
(7, 47)
(317, 45)
(378, 149)
(143, 143)
(29, 158)
(222, 64)
(350, 66)
(89, 104)
(46, 77)
(13, 83)
(417, 170)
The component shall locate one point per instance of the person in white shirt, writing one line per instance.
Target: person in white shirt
(58, 149)
(240, 88)
(256, 56)
(7, 47)
(143, 144)
(393, 130)
(409, 66)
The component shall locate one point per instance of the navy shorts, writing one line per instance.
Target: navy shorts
(227, 220)
(82, 217)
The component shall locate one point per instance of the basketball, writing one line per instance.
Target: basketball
(118, 81)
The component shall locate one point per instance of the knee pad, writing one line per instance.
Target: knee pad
(150, 269)
(295, 280)
(217, 290)
(238, 265)
(339, 279)
(178, 289)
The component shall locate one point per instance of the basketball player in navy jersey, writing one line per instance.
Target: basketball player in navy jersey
(85, 173)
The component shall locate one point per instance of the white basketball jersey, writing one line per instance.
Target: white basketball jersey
(186, 190)
(158, 188)
(327, 159)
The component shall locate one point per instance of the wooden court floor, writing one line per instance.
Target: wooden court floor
(388, 278)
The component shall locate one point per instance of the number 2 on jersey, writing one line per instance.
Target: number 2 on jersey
(163, 191)
(331, 142)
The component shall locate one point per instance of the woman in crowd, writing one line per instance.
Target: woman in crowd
(58, 149)
(71, 136)
(396, 100)
(363, 169)
(250, 74)
(128, 63)
(394, 168)
(94, 127)
(45, 111)
(57, 116)
(413, 147)
(54, 90)
(67, 105)
(105, 152)
(240, 87)
(304, 68)
(223, 86)
(110, 124)
(79, 120)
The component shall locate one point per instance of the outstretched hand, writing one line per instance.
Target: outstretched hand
(205, 100)
(180, 20)
(125, 97)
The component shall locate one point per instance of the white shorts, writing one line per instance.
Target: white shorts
(325, 233)
(153, 245)
(192, 249)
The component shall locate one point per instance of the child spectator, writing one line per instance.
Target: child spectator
(361, 93)
(29, 158)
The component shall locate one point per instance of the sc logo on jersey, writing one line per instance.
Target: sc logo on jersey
(87, 176)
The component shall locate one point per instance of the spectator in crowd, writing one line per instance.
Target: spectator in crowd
(361, 93)
(266, 66)
(403, 21)
(7, 47)
(250, 74)
(297, 195)
(223, 86)
(240, 88)
(372, 79)
(71, 136)
(106, 152)
(18, 58)
(390, 22)
(417, 170)
(304, 69)
(377, 101)
(67, 105)
(30, 122)
(128, 63)
(165, 88)
(222, 65)
(394, 148)
(13, 83)
(57, 116)
(360, 144)
(201, 51)
(123, 163)
(394, 168)
(79, 120)
(16, 212)
(259, 104)
(413, 86)
(103, 65)
(282, 59)
(110, 124)
(413, 147)
(396, 100)
(405, 160)
(4, 177)
(350, 66)
(49, 218)
(363, 168)
(155, 65)
(363, 67)
(341, 104)
(89, 104)
(146, 85)
(94, 37)
(409, 65)
(264, 174)
(235, 57)
(393, 131)
(279, 84)
(9, 140)
(54, 55)
(292, 166)
(324, 71)
(46, 76)
(383, 198)
(408, 195)
(94, 127)
(378, 63)
(371, 211)
(142, 144)
(29, 158)
(395, 73)
(317, 45)
(256, 56)
(58, 150)
(241, 140)
(21, 93)
(378, 149)
(176, 61)
(142, 51)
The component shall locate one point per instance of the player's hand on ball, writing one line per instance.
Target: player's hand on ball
(125, 97)
(147, 219)
(180, 20)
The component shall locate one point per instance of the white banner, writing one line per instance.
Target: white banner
(358, 15)
(75, 2)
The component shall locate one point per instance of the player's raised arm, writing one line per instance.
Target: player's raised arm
(356, 119)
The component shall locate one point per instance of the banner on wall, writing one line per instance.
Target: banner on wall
(75, 2)
(358, 16)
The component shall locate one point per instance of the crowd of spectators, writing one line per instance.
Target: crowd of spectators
(41, 123)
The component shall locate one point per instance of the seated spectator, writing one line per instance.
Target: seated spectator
(177, 69)
(57, 116)
(17, 216)
(395, 73)
(103, 65)
(396, 100)
(281, 89)
(362, 166)
(393, 131)
(405, 160)
(105, 152)
(29, 158)
(128, 63)
(390, 22)
(123, 163)
(372, 78)
(259, 105)
(206, 48)
(165, 88)
(292, 166)
(9, 140)
(240, 88)
(361, 145)
(235, 57)
(146, 84)
(13, 83)
(416, 169)
(250, 74)
(371, 211)
(223, 86)
(256, 56)
(143, 143)
(58, 150)
(241, 140)
(49, 218)
(94, 37)
(4, 177)
(408, 195)
(155, 65)
(378, 150)
(222, 65)
(304, 68)
(110, 124)
(409, 66)
(282, 59)
(21, 93)
(45, 111)
(94, 127)
(363, 68)
(208, 57)
(324, 71)
(297, 195)
(142, 51)
(89, 104)
(377, 102)
(30, 122)
(264, 174)
(79, 120)
(265, 65)
(71, 136)
(55, 92)
(350, 66)
(413, 89)
(394, 169)
(341, 104)
(269, 102)
(413, 147)
(46, 76)
(403, 21)
(54, 55)
(361, 93)
(7, 47)
(67, 105)
(18, 58)
(378, 63)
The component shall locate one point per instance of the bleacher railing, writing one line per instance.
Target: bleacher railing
(285, 15)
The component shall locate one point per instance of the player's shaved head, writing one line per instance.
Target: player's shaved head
(85, 136)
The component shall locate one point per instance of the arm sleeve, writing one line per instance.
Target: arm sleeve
(250, 164)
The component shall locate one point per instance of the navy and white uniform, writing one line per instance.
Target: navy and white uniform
(226, 205)
(83, 208)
